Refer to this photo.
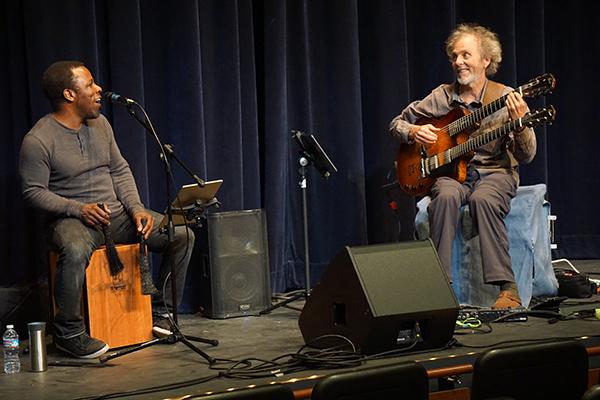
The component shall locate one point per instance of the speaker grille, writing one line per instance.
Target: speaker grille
(410, 265)
(238, 280)
(382, 297)
(237, 232)
(238, 264)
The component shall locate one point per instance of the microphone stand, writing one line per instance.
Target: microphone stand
(166, 154)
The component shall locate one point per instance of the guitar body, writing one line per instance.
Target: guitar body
(409, 168)
(418, 166)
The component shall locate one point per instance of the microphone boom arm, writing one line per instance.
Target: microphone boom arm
(170, 152)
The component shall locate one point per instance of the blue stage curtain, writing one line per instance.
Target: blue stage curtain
(227, 81)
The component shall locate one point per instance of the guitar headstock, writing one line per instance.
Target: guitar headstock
(545, 115)
(543, 84)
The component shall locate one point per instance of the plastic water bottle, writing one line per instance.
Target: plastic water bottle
(10, 344)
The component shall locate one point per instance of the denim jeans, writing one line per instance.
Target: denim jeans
(74, 242)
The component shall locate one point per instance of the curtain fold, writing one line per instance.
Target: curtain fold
(226, 82)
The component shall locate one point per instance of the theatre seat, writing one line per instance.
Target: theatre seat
(529, 246)
(400, 381)
(267, 392)
(555, 370)
(592, 393)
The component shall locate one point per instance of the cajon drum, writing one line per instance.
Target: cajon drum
(115, 309)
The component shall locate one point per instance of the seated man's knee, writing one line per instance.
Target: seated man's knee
(185, 236)
(75, 255)
(70, 236)
(481, 199)
(448, 196)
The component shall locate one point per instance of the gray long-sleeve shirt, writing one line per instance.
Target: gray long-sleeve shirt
(500, 155)
(62, 169)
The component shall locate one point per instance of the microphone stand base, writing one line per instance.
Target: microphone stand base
(173, 338)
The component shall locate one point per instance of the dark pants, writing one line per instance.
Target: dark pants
(489, 203)
(74, 242)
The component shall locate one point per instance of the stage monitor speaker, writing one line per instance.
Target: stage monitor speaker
(236, 279)
(382, 297)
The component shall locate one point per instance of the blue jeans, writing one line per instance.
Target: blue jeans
(74, 243)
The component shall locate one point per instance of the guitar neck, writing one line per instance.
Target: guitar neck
(474, 143)
(535, 87)
(531, 119)
(470, 120)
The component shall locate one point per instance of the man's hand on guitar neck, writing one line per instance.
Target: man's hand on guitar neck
(423, 134)
(516, 106)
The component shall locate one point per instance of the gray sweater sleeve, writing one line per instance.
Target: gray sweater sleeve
(34, 170)
(435, 104)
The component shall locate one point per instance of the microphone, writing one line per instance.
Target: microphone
(117, 98)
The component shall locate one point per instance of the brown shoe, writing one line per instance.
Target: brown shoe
(506, 299)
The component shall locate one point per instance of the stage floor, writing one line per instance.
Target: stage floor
(181, 371)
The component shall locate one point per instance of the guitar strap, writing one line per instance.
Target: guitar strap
(493, 90)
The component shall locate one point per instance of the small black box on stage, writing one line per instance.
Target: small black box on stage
(491, 315)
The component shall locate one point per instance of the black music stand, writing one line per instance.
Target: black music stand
(191, 204)
(311, 152)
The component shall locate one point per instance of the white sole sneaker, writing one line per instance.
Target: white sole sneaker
(96, 354)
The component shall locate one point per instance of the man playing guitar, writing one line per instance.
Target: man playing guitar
(492, 174)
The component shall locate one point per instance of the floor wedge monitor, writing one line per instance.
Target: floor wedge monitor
(382, 297)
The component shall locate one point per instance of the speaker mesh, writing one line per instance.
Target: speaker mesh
(238, 264)
(382, 297)
(410, 262)
(238, 279)
(237, 233)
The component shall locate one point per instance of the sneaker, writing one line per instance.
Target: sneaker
(161, 327)
(82, 346)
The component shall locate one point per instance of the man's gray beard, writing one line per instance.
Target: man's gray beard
(472, 78)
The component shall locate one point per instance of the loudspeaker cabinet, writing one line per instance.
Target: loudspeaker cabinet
(382, 297)
(235, 278)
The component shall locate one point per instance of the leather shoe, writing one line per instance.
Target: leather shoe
(506, 299)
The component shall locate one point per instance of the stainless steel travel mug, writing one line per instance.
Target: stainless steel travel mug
(37, 346)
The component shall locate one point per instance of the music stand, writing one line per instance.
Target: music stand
(311, 152)
(191, 203)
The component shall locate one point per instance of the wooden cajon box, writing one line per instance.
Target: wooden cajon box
(115, 309)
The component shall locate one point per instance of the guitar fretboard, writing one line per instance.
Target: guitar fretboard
(480, 140)
(468, 121)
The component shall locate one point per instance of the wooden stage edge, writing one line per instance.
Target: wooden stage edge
(457, 370)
